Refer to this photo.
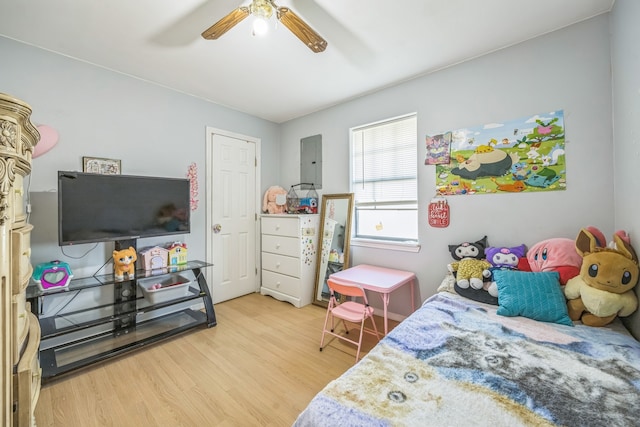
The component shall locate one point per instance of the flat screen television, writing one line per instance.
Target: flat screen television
(101, 208)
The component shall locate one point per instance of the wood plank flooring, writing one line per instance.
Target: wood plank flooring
(260, 366)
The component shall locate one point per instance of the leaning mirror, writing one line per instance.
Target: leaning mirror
(335, 230)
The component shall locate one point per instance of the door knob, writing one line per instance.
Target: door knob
(216, 228)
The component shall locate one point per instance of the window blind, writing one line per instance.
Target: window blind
(384, 168)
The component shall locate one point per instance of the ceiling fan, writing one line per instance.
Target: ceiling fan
(264, 9)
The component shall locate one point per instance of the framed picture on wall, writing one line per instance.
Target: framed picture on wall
(101, 166)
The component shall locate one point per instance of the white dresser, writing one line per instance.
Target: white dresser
(19, 328)
(289, 252)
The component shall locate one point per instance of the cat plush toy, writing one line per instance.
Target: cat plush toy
(124, 261)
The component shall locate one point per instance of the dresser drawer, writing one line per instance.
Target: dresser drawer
(281, 264)
(289, 246)
(21, 268)
(281, 226)
(279, 282)
(27, 380)
(20, 324)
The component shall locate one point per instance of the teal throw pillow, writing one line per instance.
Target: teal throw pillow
(536, 295)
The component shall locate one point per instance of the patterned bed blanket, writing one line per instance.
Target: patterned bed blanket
(455, 362)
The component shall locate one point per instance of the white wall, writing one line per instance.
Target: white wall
(625, 59)
(568, 69)
(101, 113)
(157, 131)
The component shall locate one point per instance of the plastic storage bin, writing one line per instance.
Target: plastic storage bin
(172, 287)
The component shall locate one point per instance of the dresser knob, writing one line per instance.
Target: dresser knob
(277, 284)
(278, 265)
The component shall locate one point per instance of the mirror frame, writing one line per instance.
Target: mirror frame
(321, 275)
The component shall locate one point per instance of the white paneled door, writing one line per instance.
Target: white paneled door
(231, 214)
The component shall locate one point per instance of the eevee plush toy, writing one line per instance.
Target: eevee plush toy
(604, 287)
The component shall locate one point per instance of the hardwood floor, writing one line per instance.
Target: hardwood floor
(260, 366)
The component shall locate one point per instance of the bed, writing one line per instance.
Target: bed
(456, 362)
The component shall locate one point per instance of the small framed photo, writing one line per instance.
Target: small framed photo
(101, 166)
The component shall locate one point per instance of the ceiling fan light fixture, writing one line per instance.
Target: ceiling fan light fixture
(262, 10)
(260, 26)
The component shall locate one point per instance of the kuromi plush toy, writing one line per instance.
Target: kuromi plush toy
(502, 258)
(470, 263)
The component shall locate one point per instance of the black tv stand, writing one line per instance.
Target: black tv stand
(78, 333)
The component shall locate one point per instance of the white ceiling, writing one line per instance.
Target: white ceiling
(372, 44)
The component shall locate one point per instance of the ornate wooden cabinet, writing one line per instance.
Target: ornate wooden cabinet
(19, 328)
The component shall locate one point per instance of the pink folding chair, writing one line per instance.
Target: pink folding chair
(348, 311)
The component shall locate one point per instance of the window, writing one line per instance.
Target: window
(384, 180)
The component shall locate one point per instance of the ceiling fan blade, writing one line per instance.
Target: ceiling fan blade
(226, 23)
(301, 29)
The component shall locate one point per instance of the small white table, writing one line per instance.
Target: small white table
(378, 279)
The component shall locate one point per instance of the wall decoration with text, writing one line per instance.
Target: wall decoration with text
(513, 156)
(439, 212)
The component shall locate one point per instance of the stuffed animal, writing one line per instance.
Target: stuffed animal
(124, 261)
(555, 254)
(275, 200)
(470, 263)
(603, 290)
(502, 258)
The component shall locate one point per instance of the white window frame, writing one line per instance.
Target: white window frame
(412, 244)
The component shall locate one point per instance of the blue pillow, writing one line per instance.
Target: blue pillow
(536, 295)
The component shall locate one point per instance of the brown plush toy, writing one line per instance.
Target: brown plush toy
(124, 261)
(604, 287)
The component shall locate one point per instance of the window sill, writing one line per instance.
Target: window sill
(380, 244)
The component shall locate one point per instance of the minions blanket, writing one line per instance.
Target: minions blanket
(454, 362)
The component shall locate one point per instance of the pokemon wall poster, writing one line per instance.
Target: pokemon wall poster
(515, 156)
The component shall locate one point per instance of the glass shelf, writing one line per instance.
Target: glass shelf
(55, 325)
(33, 290)
(101, 317)
(65, 358)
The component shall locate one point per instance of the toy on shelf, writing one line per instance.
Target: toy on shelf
(124, 261)
(154, 257)
(52, 275)
(161, 257)
(177, 253)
